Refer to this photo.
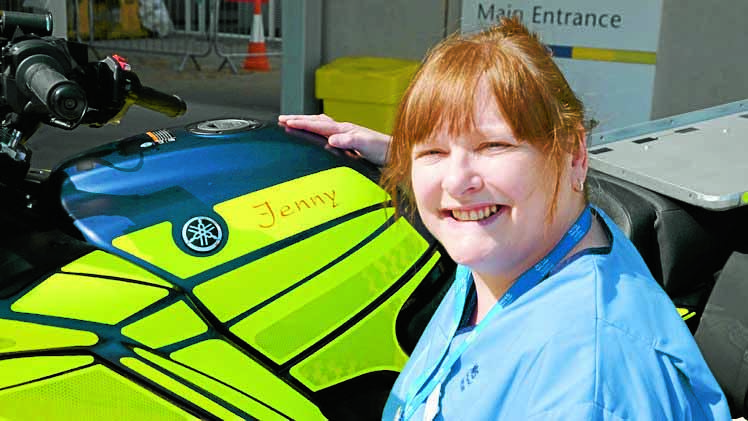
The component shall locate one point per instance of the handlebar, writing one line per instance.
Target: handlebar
(170, 105)
(48, 80)
(113, 88)
(39, 24)
(63, 98)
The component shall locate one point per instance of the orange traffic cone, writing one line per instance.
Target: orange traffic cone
(257, 59)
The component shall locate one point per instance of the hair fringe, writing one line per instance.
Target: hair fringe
(532, 94)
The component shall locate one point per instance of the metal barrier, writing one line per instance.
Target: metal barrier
(187, 28)
(20, 6)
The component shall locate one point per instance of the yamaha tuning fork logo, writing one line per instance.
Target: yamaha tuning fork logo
(202, 234)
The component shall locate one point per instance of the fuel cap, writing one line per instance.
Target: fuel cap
(224, 125)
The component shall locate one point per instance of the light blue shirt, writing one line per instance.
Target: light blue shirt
(597, 340)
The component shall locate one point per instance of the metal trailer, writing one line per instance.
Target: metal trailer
(697, 157)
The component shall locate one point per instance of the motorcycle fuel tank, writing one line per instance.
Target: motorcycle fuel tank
(238, 269)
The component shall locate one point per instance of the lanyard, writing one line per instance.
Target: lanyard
(524, 283)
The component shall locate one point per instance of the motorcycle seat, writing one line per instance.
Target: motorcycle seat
(682, 254)
(723, 332)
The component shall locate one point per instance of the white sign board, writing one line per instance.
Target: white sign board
(606, 48)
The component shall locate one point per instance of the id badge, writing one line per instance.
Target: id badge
(432, 404)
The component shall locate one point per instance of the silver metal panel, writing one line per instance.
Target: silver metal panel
(704, 163)
(597, 138)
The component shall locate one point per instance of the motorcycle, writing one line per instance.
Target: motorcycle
(236, 269)
(191, 272)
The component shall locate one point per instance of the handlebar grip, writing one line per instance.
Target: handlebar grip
(39, 24)
(170, 105)
(64, 98)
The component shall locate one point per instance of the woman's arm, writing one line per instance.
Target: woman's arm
(370, 144)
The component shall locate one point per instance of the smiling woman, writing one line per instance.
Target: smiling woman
(484, 194)
(552, 314)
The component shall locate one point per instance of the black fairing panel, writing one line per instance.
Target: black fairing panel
(360, 398)
(678, 246)
(723, 332)
(31, 245)
(679, 250)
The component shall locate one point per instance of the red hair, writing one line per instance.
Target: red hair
(533, 96)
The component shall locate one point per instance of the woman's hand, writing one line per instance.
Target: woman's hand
(370, 144)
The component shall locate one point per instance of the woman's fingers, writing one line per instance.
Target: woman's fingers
(299, 119)
(325, 127)
(370, 144)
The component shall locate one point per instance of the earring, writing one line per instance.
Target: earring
(580, 186)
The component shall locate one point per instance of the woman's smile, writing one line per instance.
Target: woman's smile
(482, 194)
(482, 214)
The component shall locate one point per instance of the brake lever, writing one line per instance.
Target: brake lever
(115, 77)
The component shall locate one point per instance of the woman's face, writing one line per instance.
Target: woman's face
(486, 195)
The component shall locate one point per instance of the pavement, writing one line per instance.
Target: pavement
(209, 93)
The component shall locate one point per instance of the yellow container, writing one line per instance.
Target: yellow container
(364, 90)
(112, 19)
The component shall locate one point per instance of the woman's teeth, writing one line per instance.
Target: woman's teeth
(474, 215)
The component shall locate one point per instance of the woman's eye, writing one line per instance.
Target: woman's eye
(498, 145)
(428, 152)
(490, 146)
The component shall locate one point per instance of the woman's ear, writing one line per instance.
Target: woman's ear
(579, 163)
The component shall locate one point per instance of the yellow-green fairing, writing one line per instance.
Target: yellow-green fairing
(18, 336)
(305, 315)
(371, 345)
(25, 369)
(234, 397)
(235, 292)
(260, 218)
(90, 393)
(172, 324)
(223, 362)
(105, 264)
(178, 388)
(685, 313)
(88, 298)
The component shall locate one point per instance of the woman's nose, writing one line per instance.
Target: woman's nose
(460, 176)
